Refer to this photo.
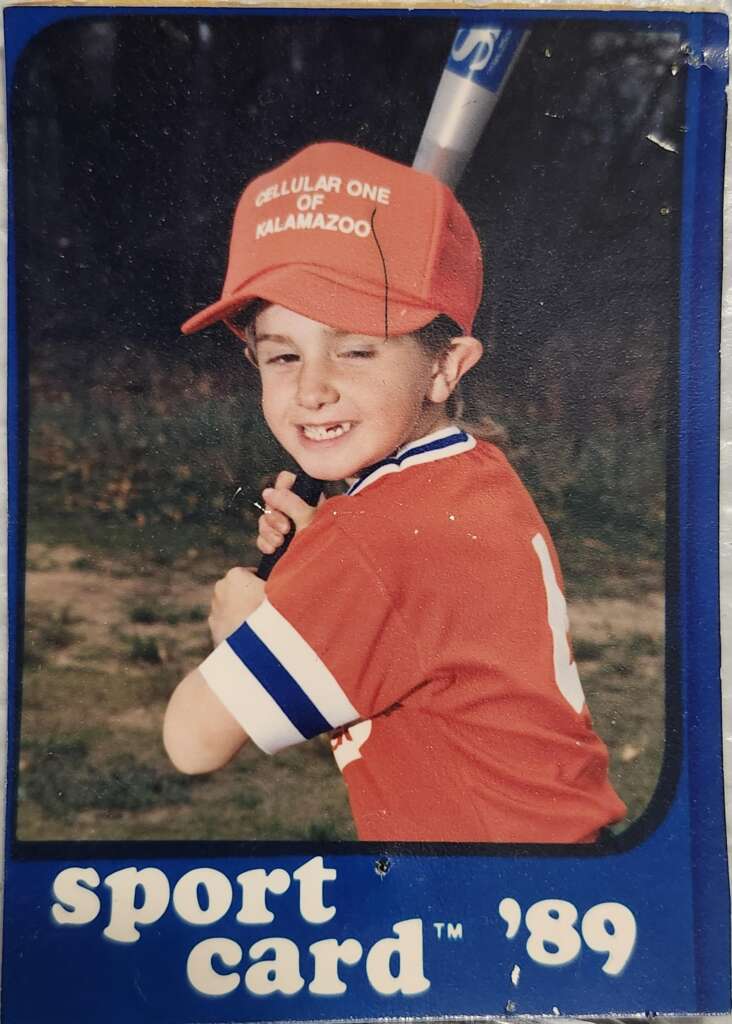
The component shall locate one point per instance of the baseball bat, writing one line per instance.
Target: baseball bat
(481, 60)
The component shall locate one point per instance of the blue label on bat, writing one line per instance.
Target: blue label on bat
(483, 53)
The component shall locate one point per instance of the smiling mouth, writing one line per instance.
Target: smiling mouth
(324, 433)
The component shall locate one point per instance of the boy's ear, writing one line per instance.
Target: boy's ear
(452, 365)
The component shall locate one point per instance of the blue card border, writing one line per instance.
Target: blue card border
(693, 753)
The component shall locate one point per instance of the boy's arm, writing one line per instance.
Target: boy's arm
(199, 733)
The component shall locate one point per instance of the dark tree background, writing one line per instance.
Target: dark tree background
(133, 137)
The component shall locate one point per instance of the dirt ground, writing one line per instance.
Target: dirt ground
(107, 641)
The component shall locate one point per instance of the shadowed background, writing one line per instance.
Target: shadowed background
(132, 138)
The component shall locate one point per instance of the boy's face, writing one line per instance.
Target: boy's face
(339, 402)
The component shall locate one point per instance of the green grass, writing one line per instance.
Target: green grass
(140, 462)
(146, 649)
(62, 781)
(626, 696)
(83, 564)
(110, 778)
(640, 644)
(587, 650)
(145, 613)
(49, 632)
(55, 631)
(149, 612)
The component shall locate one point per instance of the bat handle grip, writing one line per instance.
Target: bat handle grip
(309, 490)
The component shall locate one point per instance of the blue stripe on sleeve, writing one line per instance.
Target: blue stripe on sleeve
(277, 681)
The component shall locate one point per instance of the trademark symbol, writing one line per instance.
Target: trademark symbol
(452, 931)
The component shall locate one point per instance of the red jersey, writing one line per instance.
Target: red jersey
(421, 617)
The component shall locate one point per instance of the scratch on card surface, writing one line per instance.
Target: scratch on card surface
(136, 983)
(666, 144)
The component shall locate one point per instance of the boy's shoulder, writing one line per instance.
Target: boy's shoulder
(450, 520)
(476, 489)
(478, 476)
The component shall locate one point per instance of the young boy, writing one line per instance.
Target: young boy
(419, 618)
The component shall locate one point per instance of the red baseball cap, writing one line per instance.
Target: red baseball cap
(353, 240)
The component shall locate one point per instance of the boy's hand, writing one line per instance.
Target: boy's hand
(283, 509)
(235, 597)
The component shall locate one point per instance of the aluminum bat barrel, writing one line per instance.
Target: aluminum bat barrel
(480, 62)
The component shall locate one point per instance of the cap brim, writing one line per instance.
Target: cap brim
(215, 312)
(328, 299)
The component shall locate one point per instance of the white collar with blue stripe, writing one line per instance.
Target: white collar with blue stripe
(439, 445)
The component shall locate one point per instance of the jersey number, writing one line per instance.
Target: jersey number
(566, 675)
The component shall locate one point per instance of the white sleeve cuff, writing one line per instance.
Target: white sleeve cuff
(274, 684)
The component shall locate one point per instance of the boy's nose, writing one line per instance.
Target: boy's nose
(315, 386)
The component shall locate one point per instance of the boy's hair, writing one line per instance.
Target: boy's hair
(435, 338)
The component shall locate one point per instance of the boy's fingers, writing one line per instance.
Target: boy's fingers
(265, 547)
(276, 521)
(288, 503)
(285, 479)
(271, 536)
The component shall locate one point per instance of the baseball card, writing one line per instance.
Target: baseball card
(363, 487)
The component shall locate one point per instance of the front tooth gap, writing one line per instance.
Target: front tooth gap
(320, 433)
